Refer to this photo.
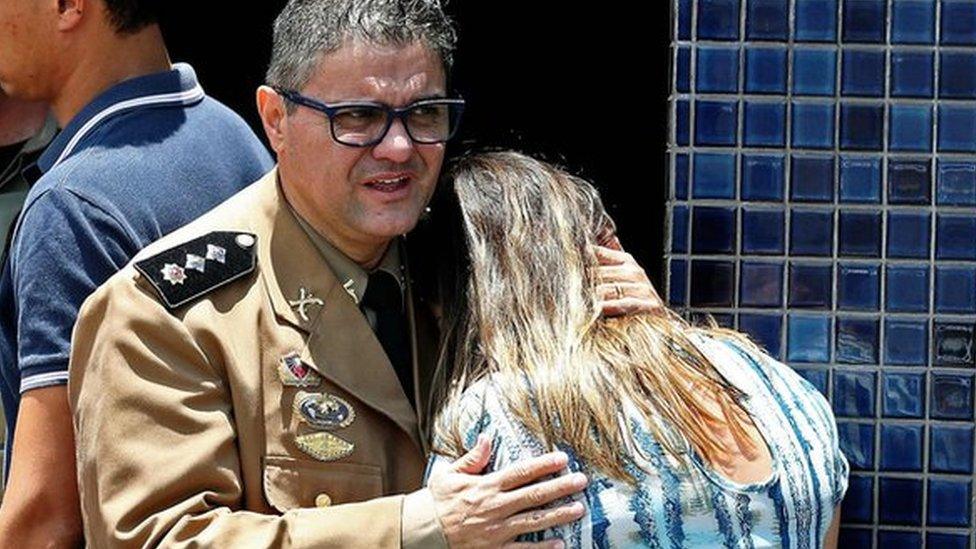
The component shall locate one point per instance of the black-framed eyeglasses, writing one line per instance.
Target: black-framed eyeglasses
(364, 123)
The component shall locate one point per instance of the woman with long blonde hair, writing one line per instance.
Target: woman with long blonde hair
(690, 436)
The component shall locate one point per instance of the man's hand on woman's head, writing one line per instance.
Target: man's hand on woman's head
(623, 286)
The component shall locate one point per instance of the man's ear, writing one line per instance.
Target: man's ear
(271, 108)
(71, 12)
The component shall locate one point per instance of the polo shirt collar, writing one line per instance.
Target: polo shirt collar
(178, 86)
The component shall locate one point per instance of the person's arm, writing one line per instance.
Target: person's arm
(833, 533)
(158, 462)
(40, 505)
(65, 248)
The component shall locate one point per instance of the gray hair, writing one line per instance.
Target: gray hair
(307, 29)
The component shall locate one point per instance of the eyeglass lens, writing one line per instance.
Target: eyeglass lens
(426, 123)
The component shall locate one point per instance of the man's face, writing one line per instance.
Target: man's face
(362, 195)
(27, 32)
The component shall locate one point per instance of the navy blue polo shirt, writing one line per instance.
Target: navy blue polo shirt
(142, 159)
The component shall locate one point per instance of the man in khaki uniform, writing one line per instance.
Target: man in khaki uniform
(222, 379)
(237, 386)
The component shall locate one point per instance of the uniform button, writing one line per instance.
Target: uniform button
(323, 500)
(244, 240)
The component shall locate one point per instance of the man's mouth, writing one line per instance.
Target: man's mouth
(389, 184)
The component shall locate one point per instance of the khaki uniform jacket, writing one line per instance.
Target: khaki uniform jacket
(186, 434)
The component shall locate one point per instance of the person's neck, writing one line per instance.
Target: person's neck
(110, 58)
(365, 253)
(19, 120)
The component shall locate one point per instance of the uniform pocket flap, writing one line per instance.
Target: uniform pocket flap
(290, 483)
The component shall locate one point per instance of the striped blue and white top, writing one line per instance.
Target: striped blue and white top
(673, 505)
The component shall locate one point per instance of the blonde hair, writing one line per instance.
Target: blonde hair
(521, 307)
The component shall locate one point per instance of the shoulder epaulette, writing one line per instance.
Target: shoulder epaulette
(192, 269)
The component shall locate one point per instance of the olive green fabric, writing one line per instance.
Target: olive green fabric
(13, 186)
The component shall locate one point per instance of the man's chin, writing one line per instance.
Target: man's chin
(393, 230)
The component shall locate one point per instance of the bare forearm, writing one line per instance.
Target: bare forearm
(31, 524)
(40, 507)
(833, 533)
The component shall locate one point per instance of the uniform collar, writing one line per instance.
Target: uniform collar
(42, 138)
(352, 277)
(173, 87)
(31, 146)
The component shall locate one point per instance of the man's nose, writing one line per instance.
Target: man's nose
(396, 144)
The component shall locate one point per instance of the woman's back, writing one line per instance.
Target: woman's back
(674, 505)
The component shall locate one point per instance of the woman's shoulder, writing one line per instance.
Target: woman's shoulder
(476, 410)
(481, 409)
(751, 369)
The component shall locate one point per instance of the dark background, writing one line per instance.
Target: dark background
(582, 87)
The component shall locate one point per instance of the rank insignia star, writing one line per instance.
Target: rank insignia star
(293, 372)
(305, 298)
(324, 411)
(324, 446)
(216, 253)
(173, 273)
(195, 262)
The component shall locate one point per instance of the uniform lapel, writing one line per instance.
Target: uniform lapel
(340, 344)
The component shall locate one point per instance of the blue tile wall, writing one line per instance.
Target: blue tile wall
(812, 179)
(823, 200)
(913, 22)
(765, 70)
(901, 448)
(908, 181)
(910, 128)
(958, 23)
(714, 176)
(912, 74)
(717, 70)
(860, 180)
(765, 124)
(816, 20)
(956, 183)
(763, 177)
(947, 541)
(863, 74)
(900, 501)
(895, 539)
(809, 66)
(957, 128)
(958, 79)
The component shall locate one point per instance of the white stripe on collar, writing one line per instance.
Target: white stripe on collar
(191, 95)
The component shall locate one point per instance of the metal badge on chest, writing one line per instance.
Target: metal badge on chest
(321, 411)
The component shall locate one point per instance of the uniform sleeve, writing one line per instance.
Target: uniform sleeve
(158, 464)
(65, 248)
